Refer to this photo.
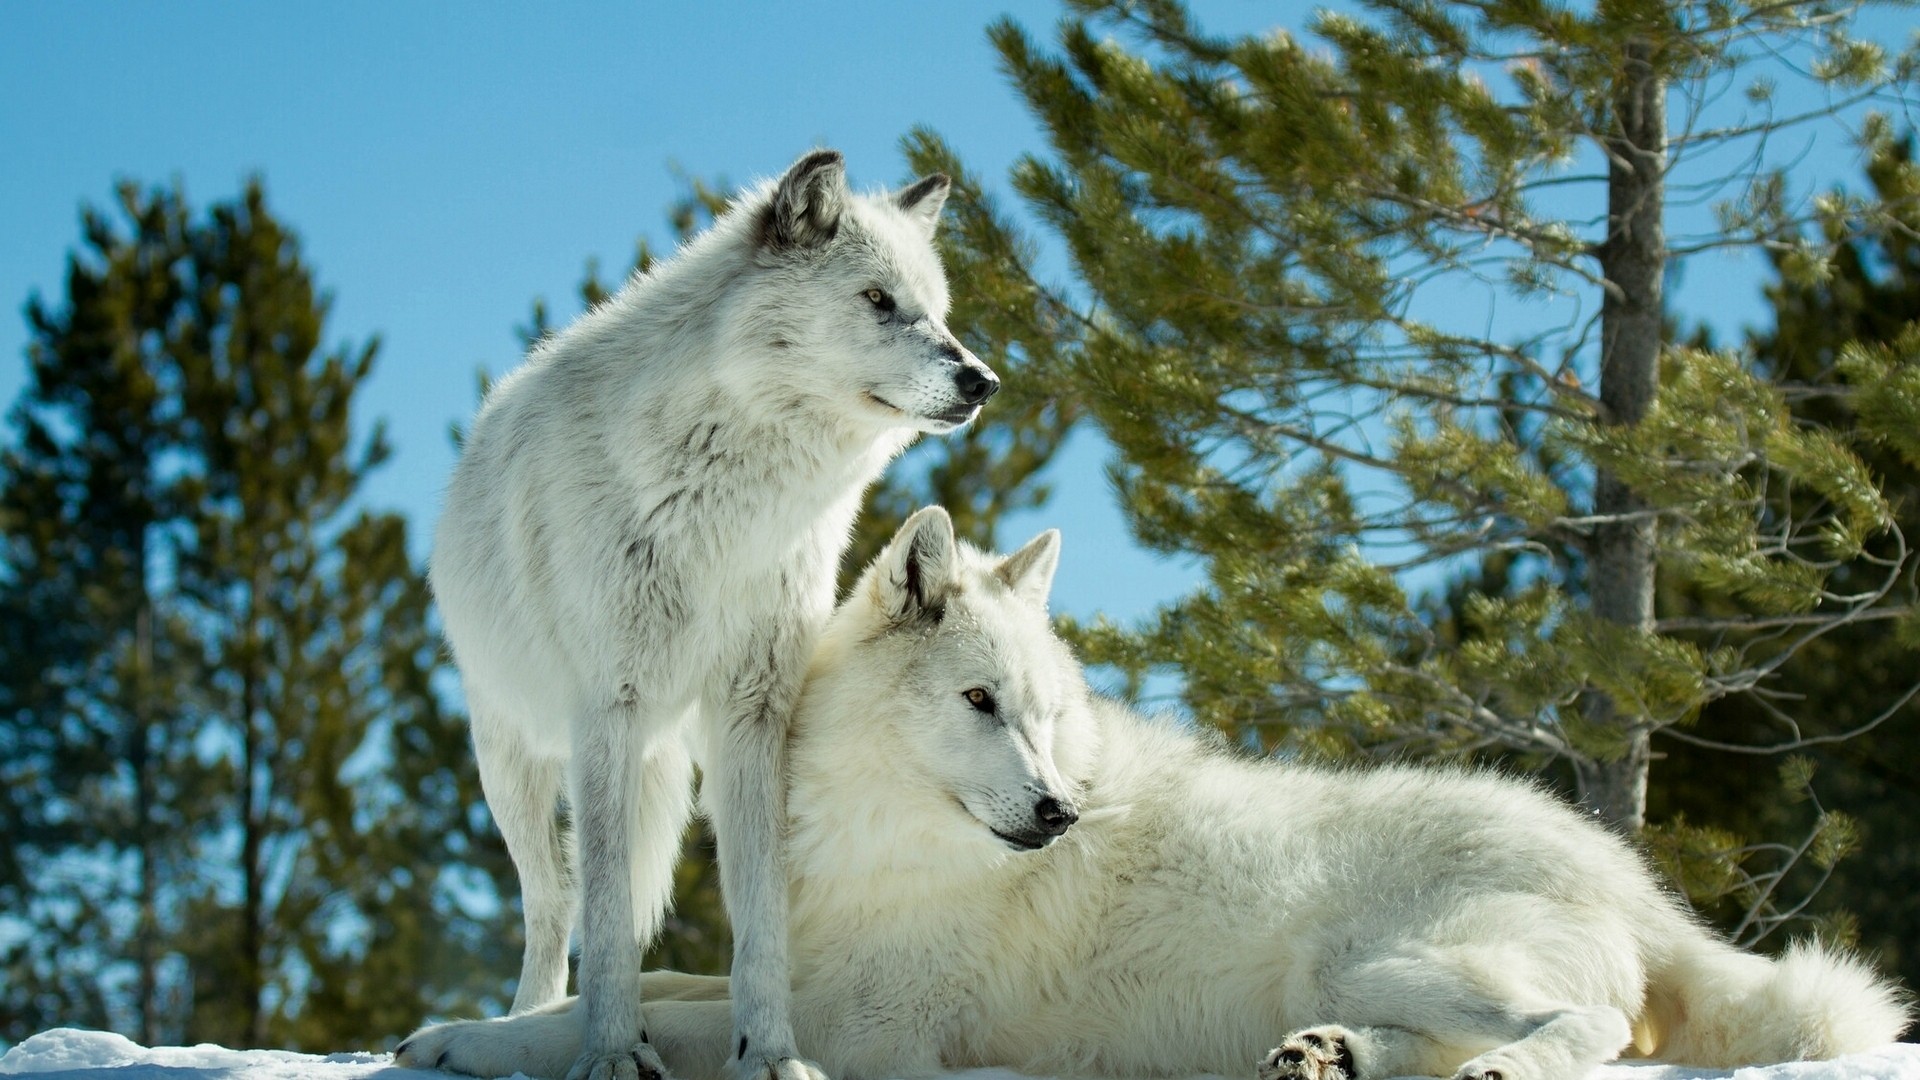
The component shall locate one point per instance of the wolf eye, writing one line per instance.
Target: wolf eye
(980, 700)
(879, 299)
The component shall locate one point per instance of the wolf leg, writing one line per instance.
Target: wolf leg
(744, 794)
(1564, 1043)
(1421, 1015)
(523, 794)
(611, 747)
(542, 1042)
(664, 985)
(695, 1037)
(1333, 1052)
(692, 1037)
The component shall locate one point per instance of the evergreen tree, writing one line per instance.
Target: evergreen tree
(1857, 720)
(1386, 307)
(244, 661)
(101, 782)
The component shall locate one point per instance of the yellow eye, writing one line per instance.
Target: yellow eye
(876, 297)
(980, 699)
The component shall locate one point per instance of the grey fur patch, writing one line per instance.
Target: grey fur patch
(807, 203)
(934, 186)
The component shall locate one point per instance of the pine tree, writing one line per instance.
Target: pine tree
(234, 627)
(1860, 719)
(1385, 306)
(100, 781)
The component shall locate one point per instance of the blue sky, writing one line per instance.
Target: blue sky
(445, 164)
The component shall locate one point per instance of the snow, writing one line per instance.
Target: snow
(72, 1054)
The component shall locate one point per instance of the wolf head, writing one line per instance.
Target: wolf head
(846, 292)
(941, 710)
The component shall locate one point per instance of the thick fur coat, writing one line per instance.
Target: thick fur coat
(638, 549)
(1203, 912)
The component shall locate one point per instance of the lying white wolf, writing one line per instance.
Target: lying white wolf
(948, 911)
(638, 549)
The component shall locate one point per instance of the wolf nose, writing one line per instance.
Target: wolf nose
(1054, 818)
(976, 384)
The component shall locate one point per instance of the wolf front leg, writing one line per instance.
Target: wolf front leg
(745, 795)
(688, 1017)
(542, 1042)
(623, 804)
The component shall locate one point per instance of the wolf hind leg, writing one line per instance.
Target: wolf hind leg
(694, 1037)
(666, 985)
(523, 794)
(1421, 1016)
(1565, 1043)
(1335, 1052)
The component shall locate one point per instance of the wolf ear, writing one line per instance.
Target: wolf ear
(923, 199)
(919, 567)
(807, 202)
(1029, 571)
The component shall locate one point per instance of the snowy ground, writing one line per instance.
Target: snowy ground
(69, 1054)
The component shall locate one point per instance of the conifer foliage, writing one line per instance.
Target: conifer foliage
(1844, 707)
(242, 814)
(1382, 306)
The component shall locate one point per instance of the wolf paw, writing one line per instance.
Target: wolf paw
(638, 1062)
(417, 1053)
(774, 1068)
(1313, 1054)
(544, 1042)
(441, 1047)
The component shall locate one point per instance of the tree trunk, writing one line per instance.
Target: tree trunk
(140, 740)
(1633, 261)
(253, 965)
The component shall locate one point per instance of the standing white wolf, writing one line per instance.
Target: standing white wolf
(949, 911)
(638, 549)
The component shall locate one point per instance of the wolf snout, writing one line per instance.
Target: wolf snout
(975, 383)
(1054, 817)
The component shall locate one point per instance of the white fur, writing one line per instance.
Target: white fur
(638, 549)
(1376, 923)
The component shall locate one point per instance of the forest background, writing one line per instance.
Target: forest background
(1492, 380)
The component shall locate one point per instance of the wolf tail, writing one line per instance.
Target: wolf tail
(1712, 1005)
